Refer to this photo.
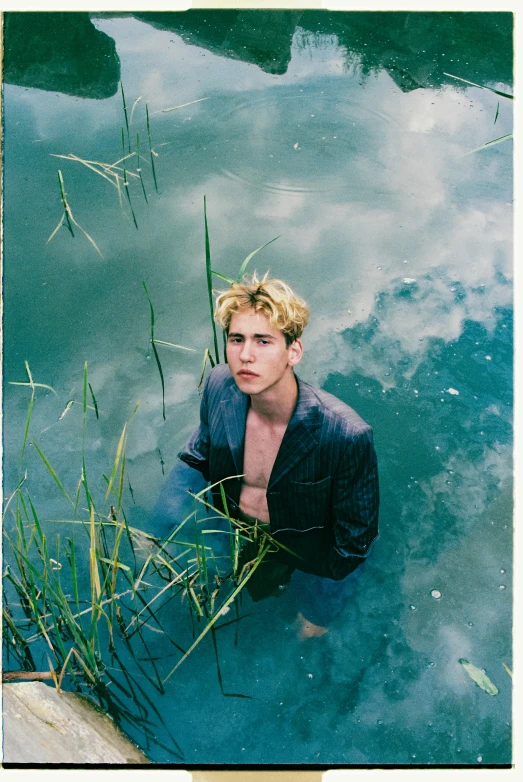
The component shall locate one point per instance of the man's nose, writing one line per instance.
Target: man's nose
(246, 352)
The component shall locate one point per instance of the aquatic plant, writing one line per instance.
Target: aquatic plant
(69, 218)
(209, 279)
(139, 167)
(151, 150)
(126, 186)
(126, 118)
(496, 92)
(76, 599)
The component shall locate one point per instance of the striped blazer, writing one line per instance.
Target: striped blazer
(323, 493)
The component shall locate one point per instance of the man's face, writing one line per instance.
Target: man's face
(257, 353)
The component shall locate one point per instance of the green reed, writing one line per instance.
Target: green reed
(51, 590)
(155, 352)
(151, 151)
(138, 168)
(209, 279)
(83, 597)
(128, 194)
(495, 92)
(126, 117)
(68, 217)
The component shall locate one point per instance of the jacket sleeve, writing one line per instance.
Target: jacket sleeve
(355, 503)
(196, 451)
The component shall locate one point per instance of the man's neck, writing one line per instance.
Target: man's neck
(276, 405)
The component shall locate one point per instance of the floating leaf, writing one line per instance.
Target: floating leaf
(478, 676)
(507, 669)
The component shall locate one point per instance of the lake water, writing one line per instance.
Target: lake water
(341, 134)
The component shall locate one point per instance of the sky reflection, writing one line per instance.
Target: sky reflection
(402, 245)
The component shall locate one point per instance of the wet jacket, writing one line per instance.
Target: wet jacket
(323, 493)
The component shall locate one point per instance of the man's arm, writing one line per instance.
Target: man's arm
(355, 503)
(196, 451)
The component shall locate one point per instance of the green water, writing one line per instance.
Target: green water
(341, 133)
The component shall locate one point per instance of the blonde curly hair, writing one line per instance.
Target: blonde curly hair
(274, 298)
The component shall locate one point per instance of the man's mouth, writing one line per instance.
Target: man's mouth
(247, 373)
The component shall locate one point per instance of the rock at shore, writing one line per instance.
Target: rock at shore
(44, 726)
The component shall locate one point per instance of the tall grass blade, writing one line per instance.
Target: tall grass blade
(53, 473)
(96, 587)
(131, 492)
(70, 217)
(74, 576)
(87, 236)
(64, 202)
(84, 427)
(120, 489)
(497, 113)
(27, 424)
(182, 105)
(206, 357)
(246, 261)
(215, 618)
(220, 680)
(57, 228)
(35, 385)
(151, 146)
(481, 86)
(94, 400)
(91, 164)
(209, 278)
(133, 108)
(126, 186)
(156, 356)
(126, 118)
(172, 345)
(138, 168)
(490, 144)
(66, 409)
(223, 277)
(19, 486)
(116, 462)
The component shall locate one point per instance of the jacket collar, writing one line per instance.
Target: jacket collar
(298, 440)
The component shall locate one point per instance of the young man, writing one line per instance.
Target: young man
(307, 460)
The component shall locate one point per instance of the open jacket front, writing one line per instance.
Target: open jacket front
(323, 493)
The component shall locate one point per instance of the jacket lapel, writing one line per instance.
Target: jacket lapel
(234, 411)
(299, 438)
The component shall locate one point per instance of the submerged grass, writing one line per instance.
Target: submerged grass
(77, 602)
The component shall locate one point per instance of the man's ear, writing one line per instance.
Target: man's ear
(295, 352)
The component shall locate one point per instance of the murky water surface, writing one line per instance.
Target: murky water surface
(342, 134)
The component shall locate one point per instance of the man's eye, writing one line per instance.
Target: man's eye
(264, 342)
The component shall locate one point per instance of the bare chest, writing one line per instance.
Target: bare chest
(262, 443)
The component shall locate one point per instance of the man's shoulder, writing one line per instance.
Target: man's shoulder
(336, 413)
(219, 380)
